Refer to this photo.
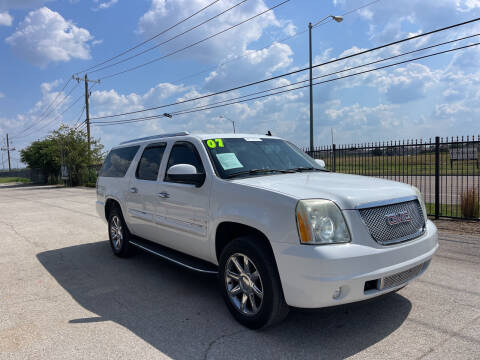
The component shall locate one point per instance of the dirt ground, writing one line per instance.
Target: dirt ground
(458, 226)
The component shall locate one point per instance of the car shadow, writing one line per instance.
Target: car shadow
(181, 313)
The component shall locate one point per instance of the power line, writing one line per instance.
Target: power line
(209, 107)
(45, 110)
(58, 94)
(150, 39)
(326, 21)
(77, 123)
(291, 72)
(345, 70)
(50, 113)
(334, 79)
(170, 39)
(55, 118)
(356, 9)
(193, 44)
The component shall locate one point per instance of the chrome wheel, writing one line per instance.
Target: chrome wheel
(116, 232)
(244, 284)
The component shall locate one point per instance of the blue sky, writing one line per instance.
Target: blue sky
(43, 42)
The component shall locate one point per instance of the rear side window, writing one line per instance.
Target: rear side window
(117, 162)
(185, 153)
(150, 162)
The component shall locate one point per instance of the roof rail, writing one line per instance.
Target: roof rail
(182, 133)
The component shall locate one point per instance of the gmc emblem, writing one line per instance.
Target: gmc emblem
(398, 218)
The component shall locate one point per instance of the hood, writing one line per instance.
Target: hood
(347, 191)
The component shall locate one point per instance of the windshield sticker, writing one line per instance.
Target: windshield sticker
(252, 139)
(229, 161)
(213, 143)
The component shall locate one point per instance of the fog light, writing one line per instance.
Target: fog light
(337, 293)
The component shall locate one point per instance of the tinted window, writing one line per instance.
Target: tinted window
(242, 155)
(117, 162)
(150, 162)
(185, 153)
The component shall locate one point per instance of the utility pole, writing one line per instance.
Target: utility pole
(87, 107)
(232, 121)
(8, 149)
(338, 19)
(310, 70)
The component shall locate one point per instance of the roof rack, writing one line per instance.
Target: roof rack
(182, 133)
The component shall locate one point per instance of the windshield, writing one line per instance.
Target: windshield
(234, 157)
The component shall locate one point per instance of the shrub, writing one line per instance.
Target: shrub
(469, 204)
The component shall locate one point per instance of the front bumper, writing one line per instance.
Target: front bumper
(328, 275)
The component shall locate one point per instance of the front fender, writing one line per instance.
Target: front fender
(271, 213)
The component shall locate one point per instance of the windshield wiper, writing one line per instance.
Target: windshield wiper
(300, 169)
(259, 171)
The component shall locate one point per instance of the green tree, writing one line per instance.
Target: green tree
(68, 144)
(44, 155)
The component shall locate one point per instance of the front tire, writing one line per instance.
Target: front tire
(250, 283)
(118, 234)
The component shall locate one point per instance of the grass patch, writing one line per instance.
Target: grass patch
(4, 180)
(389, 165)
(445, 209)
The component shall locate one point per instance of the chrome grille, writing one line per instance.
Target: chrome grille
(402, 277)
(386, 233)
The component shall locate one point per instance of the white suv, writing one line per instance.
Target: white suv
(277, 228)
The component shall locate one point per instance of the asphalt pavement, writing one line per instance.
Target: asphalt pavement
(63, 295)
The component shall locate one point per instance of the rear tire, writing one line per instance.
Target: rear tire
(250, 283)
(118, 234)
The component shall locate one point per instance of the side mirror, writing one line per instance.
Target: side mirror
(185, 174)
(320, 162)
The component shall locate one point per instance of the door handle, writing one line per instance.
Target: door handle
(133, 190)
(163, 195)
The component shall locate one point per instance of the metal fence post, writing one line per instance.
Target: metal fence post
(437, 177)
(334, 158)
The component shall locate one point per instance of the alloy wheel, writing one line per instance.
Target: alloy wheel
(116, 232)
(244, 284)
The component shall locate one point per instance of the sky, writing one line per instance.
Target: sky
(44, 42)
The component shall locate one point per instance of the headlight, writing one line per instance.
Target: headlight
(321, 222)
(422, 203)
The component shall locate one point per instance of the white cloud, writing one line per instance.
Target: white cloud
(289, 28)
(46, 87)
(164, 12)
(104, 5)
(5, 19)
(467, 5)
(44, 36)
(366, 13)
(107, 102)
(37, 115)
(252, 65)
(409, 83)
(2, 95)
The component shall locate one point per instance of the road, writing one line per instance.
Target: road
(63, 295)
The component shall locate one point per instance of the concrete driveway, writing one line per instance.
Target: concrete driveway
(63, 295)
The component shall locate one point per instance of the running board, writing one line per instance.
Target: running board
(174, 256)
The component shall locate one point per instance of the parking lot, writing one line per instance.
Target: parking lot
(63, 295)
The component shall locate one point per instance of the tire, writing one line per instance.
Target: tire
(118, 234)
(241, 286)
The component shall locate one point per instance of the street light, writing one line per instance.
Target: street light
(338, 19)
(233, 122)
